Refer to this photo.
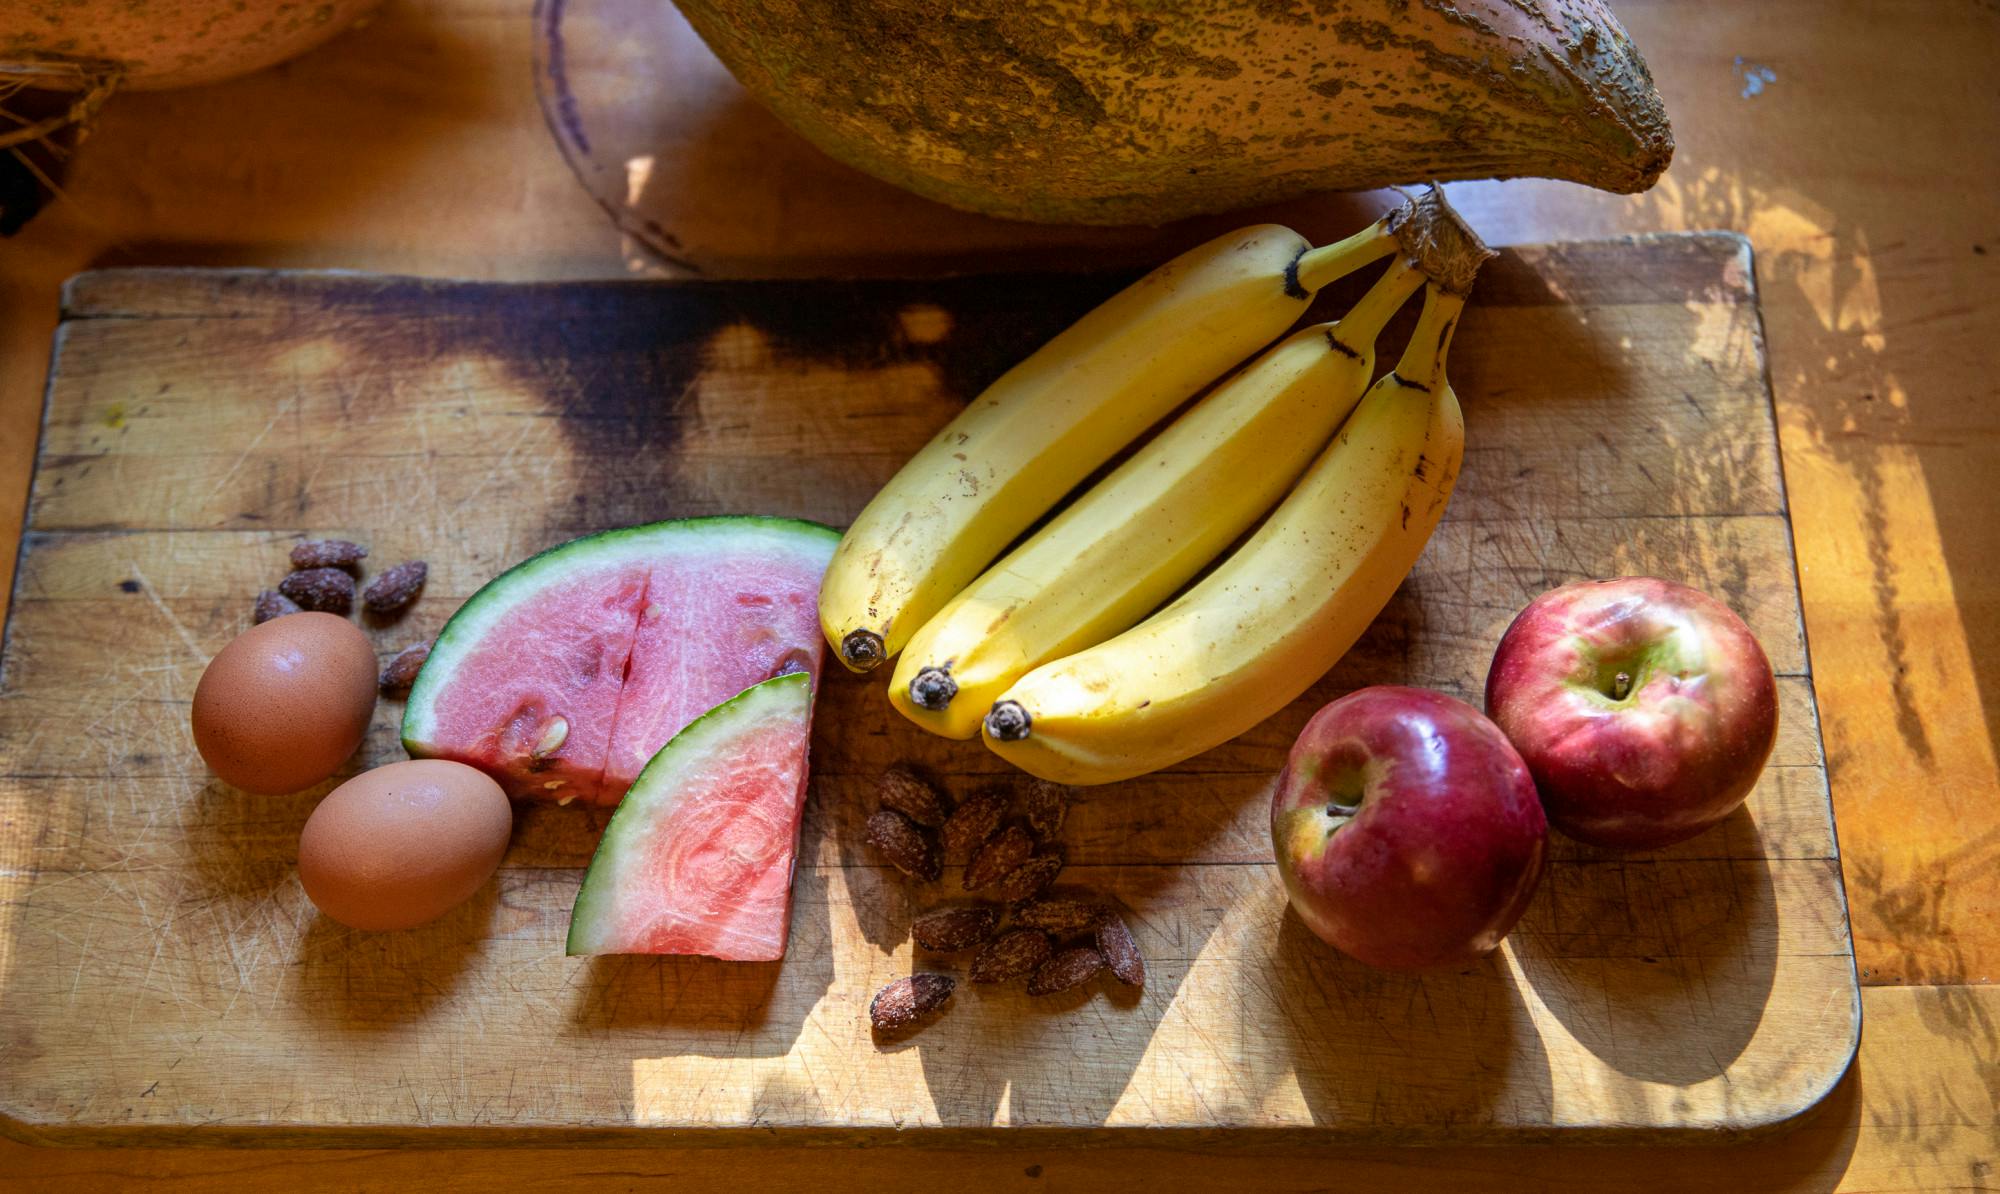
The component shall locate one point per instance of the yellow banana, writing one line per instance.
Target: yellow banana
(1275, 615)
(1136, 537)
(1047, 422)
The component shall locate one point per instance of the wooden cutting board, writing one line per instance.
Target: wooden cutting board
(165, 978)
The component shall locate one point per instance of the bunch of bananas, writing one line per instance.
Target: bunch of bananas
(1049, 653)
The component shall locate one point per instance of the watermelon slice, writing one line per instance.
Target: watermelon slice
(698, 859)
(565, 673)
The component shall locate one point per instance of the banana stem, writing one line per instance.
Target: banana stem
(1319, 267)
(1422, 363)
(1363, 322)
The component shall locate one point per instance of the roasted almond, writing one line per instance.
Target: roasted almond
(392, 592)
(402, 670)
(1044, 804)
(912, 795)
(906, 846)
(948, 930)
(1032, 877)
(972, 822)
(1121, 953)
(272, 604)
(328, 553)
(1013, 954)
(1061, 916)
(899, 1006)
(1000, 857)
(1066, 971)
(328, 590)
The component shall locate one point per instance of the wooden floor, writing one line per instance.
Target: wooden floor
(1865, 174)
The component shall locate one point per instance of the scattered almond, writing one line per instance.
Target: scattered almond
(1044, 804)
(328, 553)
(1066, 971)
(998, 858)
(393, 591)
(905, 845)
(903, 1003)
(272, 604)
(1032, 877)
(1014, 954)
(912, 795)
(328, 590)
(1121, 953)
(948, 930)
(402, 670)
(972, 822)
(1061, 916)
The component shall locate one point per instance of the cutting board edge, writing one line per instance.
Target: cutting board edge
(1237, 1139)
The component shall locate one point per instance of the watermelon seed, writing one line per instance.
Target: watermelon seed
(553, 734)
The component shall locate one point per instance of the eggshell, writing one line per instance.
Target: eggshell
(285, 703)
(403, 844)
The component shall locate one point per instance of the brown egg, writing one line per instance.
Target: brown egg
(285, 703)
(403, 844)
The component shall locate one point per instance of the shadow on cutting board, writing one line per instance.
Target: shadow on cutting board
(1439, 1048)
(1003, 1057)
(383, 981)
(1660, 965)
(1070, 1058)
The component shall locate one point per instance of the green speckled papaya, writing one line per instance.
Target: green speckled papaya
(1129, 111)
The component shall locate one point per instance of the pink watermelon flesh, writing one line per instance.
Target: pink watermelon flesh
(503, 705)
(731, 623)
(699, 858)
(610, 645)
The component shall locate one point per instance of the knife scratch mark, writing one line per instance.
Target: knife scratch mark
(152, 595)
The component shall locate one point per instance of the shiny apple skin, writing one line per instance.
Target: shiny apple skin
(1683, 748)
(1443, 852)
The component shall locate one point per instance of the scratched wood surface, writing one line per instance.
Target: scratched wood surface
(163, 977)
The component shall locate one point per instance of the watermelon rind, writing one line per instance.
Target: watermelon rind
(467, 629)
(784, 698)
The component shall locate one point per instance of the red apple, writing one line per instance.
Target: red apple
(1644, 708)
(1407, 829)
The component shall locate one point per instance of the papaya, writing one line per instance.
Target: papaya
(1145, 111)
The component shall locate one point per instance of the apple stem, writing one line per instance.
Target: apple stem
(1621, 686)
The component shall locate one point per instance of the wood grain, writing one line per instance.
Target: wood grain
(166, 979)
(1918, 1113)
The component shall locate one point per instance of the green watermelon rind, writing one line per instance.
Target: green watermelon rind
(521, 584)
(658, 788)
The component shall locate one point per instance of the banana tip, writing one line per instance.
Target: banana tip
(1007, 721)
(862, 650)
(932, 688)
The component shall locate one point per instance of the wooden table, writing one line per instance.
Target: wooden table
(1864, 175)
